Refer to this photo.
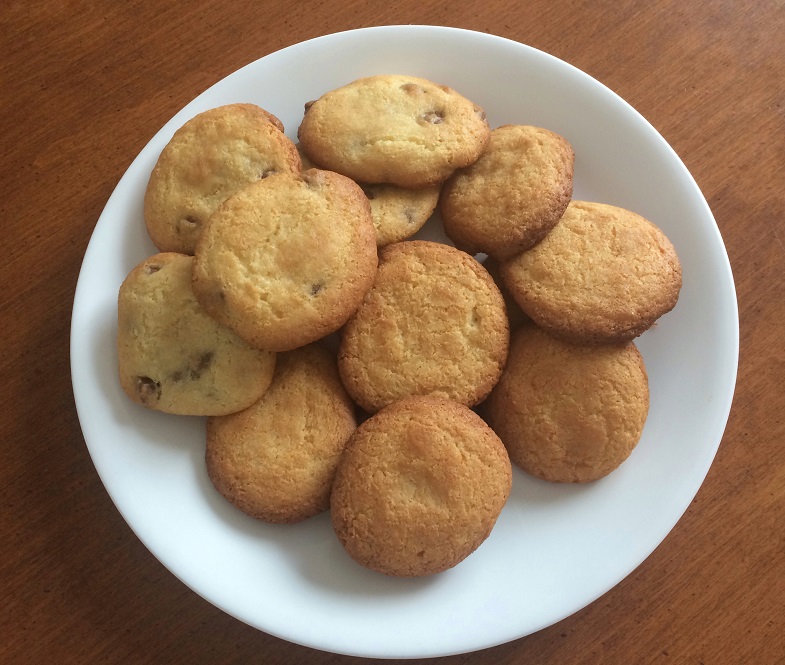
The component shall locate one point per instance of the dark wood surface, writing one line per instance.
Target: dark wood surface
(85, 85)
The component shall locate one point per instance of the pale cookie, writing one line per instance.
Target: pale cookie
(603, 274)
(510, 198)
(175, 358)
(419, 487)
(433, 324)
(276, 460)
(208, 159)
(399, 212)
(394, 129)
(288, 259)
(566, 412)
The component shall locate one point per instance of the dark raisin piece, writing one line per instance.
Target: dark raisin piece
(149, 390)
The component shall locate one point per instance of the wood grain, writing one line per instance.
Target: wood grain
(85, 85)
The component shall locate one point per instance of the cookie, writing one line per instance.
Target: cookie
(510, 198)
(515, 314)
(603, 274)
(287, 259)
(399, 212)
(432, 324)
(419, 487)
(305, 162)
(175, 358)
(394, 129)
(276, 460)
(207, 160)
(566, 412)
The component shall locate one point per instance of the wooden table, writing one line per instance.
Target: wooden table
(85, 85)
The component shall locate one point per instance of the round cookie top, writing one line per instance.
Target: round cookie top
(603, 274)
(276, 460)
(394, 129)
(288, 259)
(567, 412)
(399, 212)
(207, 160)
(175, 358)
(433, 323)
(512, 195)
(419, 487)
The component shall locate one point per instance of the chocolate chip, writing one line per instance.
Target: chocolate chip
(149, 390)
(433, 117)
(188, 224)
(204, 361)
(412, 88)
(480, 113)
(315, 288)
(308, 105)
(152, 268)
(195, 370)
(267, 172)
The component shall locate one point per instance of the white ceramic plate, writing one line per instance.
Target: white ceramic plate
(555, 548)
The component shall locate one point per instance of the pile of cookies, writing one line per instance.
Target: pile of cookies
(270, 250)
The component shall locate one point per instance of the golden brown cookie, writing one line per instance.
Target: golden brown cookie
(394, 129)
(207, 160)
(288, 259)
(567, 412)
(603, 274)
(175, 358)
(419, 487)
(510, 198)
(304, 159)
(276, 460)
(399, 212)
(433, 323)
(515, 314)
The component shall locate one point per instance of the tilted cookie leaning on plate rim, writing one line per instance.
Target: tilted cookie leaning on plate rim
(285, 257)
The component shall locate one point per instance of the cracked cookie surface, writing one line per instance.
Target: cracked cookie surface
(434, 322)
(513, 195)
(603, 274)
(568, 412)
(419, 487)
